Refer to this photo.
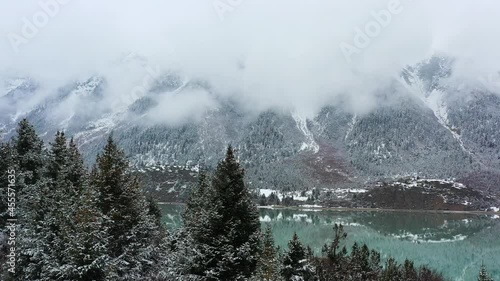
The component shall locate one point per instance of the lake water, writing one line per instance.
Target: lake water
(454, 244)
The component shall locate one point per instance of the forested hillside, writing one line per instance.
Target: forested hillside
(424, 125)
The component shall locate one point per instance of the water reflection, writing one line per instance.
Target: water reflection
(455, 244)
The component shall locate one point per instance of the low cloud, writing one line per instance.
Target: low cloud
(283, 54)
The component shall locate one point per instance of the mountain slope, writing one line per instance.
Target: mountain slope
(424, 127)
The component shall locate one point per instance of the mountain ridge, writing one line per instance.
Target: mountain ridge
(424, 127)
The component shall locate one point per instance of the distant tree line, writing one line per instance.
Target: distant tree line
(75, 223)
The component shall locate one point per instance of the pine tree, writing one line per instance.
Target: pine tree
(296, 266)
(239, 227)
(76, 167)
(133, 232)
(62, 201)
(29, 152)
(196, 217)
(332, 251)
(80, 227)
(112, 178)
(58, 157)
(199, 217)
(51, 201)
(154, 211)
(268, 265)
(409, 271)
(391, 271)
(31, 191)
(483, 274)
(223, 222)
(86, 240)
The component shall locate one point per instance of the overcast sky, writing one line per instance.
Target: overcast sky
(297, 55)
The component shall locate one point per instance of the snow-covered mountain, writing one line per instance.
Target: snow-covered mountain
(425, 126)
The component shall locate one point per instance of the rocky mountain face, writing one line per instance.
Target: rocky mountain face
(423, 128)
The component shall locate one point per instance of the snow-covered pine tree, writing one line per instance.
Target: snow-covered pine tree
(47, 206)
(223, 222)
(29, 153)
(409, 271)
(199, 215)
(58, 160)
(296, 265)
(268, 267)
(85, 256)
(133, 232)
(198, 209)
(392, 271)
(60, 203)
(154, 211)
(76, 169)
(31, 188)
(483, 274)
(237, 233)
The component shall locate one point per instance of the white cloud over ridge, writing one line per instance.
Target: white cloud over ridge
(265, 54)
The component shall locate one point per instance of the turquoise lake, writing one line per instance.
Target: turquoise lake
(455, 244)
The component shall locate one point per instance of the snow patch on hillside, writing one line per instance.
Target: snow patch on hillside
(97, 129)
(88, 87)
(13, 84)
(343, 193)
(351, 126)
(297, 195)
(436, 101)
(421, 182)
(63, 125)
(310, 143)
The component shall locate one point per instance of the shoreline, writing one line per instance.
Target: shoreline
(347, 209)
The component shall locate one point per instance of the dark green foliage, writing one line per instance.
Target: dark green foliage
(111, 177)
(76, 169)
(268, 267)
(31, 189)
(297, 262)
(197, 206)
(234, 202)
(154, 211)
(29, 152)
(223, 221)
(272, 199)
(86, 240)
(59, 157)
(392, 271)
(49, 215)
(132, 230)
(74, 226)
(409, 272)
(483, 274)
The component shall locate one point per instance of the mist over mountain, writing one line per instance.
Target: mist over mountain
(422, 126)
(314, 55)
